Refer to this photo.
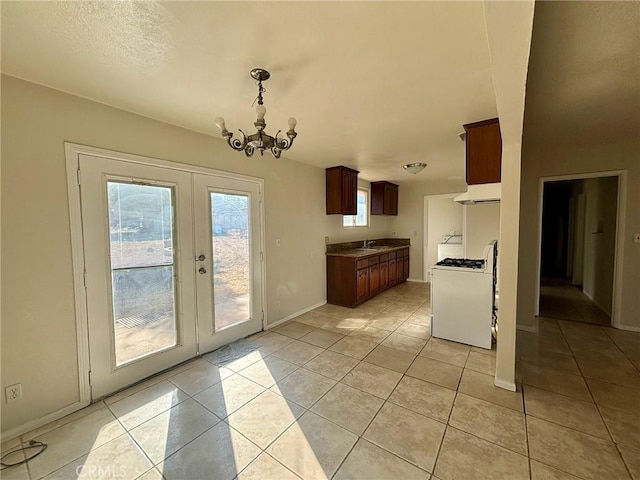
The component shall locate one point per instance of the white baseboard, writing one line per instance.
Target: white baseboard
(629, 328)
(507, 385)
(294, 315)
(42, 421)
(417, 280)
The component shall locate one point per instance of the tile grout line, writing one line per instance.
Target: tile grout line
(615, 444)
(447, 425)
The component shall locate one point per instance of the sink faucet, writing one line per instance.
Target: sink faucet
(368, 243)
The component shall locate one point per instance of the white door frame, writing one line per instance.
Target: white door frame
(72, 154)
(618, 261)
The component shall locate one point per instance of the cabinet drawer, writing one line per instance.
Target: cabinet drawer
(384, 257)
(362, 263)
(392, 255)
(374, 260)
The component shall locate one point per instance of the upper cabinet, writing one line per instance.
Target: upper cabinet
(384, 198)
(342, 191)
(484, 151)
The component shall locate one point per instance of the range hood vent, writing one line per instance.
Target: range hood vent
(480, 194)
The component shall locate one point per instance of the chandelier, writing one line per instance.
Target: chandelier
(260, 140)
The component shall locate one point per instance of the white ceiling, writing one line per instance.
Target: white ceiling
(374, 85)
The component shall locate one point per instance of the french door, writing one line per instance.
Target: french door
(172, 266)
(228, 280)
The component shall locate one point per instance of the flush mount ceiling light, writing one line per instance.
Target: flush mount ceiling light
(414, 168)
(260, 140)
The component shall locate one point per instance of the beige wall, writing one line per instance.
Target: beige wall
(38, 317)
(482, 224)
(600, 239)
(443, 216)
(541, 159)
(410, 220)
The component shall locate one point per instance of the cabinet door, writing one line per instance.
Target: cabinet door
(362, 284)
(406, 267)
(341, 191)
(484, 152)
(399, 268)
(394, 200)
(374, 279)
(349, 192)
(384, 275)
(392, 272)
(390, 199)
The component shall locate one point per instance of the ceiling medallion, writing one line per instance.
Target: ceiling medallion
(260, 140)
(414, 168)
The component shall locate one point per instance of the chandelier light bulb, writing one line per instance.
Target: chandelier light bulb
(261, 110)
(220, 123)
(292, 123)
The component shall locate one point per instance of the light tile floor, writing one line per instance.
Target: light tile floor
(366, 394)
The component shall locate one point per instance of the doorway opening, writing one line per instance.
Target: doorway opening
(579, 248)
(443, 230)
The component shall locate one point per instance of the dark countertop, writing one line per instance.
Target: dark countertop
(366, 252)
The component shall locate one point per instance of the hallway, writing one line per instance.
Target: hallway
(561, 300)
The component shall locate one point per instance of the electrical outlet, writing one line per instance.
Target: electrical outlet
(277, 303)
(326, 239)
(636, 238)
(13, 392)
(277, 242)
(393, 234)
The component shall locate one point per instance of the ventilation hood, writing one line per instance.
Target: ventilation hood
(482, 193)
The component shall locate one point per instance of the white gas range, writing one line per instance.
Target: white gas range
(463, 298)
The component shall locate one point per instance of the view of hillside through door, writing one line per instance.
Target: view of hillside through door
(172, 262)
(578, 249)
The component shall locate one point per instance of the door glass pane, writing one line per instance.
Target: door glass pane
(230, 261)
(142, 269)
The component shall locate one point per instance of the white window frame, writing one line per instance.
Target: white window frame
(355, 217)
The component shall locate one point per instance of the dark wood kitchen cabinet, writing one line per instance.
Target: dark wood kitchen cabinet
(342, 191)
(405, 270)
(374, 280)
(353, 280)
(383, 271)
(393, 269)
(362, 284)
(384, 198)
(484, 152)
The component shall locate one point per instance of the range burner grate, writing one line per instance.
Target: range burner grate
(462, 263)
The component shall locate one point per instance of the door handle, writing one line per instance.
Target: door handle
(201, 258)
(202, 270)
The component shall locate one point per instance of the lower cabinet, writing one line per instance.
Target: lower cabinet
(353, 280)
(362, 284)
(384, 274)
(374, 280)
(393, 268)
